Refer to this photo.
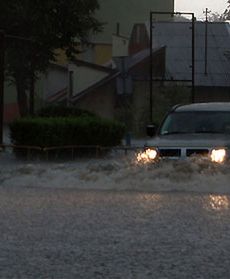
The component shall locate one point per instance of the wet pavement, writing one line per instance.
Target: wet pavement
(113, 219)
(71, 233)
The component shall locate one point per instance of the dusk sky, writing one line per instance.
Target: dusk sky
(198, 6)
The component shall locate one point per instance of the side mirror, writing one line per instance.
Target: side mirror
(151, 130)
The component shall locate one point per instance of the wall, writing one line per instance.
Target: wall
(84, 77)
(212, 94)
(101, 101)
(56, 79)
(141, 105)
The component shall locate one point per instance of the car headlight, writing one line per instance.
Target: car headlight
(218, 155)
(148, 155)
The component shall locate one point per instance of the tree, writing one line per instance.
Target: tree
(35, 29)
(216, 17)
(226, 13)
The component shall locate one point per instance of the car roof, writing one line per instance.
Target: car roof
(214, 106)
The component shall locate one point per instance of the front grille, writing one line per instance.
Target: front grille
(202, 152)
(182, 152)
(170, 152)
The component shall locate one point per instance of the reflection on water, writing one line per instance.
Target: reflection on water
(218, 202)
(150, 201)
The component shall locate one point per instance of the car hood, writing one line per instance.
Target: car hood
(190, 140)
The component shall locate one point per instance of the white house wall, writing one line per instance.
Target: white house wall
(84, 77)
(54, 81)
(120, 46)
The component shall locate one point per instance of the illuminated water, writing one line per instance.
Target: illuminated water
(117, 172)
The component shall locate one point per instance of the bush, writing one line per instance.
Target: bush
(62, 131)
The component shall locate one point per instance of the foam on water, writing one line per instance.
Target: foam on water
(118, 172)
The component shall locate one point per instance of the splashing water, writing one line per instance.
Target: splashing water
(118, 172)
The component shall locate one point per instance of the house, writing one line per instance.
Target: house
(172, 60)
(54, 83)
(90, 86)
(211, 59)
(66, 84)
(118, 91)
(119, 16)
(120, 87)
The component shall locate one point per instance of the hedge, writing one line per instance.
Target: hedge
(62, 131)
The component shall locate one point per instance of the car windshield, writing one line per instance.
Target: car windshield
(196, 122)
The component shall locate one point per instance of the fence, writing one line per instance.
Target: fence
(66, 152)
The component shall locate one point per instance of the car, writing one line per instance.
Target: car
(193, 130)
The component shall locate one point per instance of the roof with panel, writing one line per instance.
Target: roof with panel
(177, 38)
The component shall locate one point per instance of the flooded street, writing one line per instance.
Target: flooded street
(114, 218)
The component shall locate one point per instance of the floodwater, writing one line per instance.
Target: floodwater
(114, 218)
(117, 171)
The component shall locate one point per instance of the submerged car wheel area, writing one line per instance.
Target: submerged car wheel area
(199, 129)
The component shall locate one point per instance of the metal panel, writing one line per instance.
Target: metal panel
(177, 38)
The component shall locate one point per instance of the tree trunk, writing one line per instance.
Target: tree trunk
(22, 98)
(32, 92)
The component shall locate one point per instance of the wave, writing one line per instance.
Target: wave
(118, 172)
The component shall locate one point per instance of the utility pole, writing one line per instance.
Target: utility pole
(2, 58)
(32, 91)
(151, 71)
(206, 42)
(193, 58)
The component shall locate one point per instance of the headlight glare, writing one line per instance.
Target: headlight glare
(218, 155)
(147, 156)
(151, 153)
